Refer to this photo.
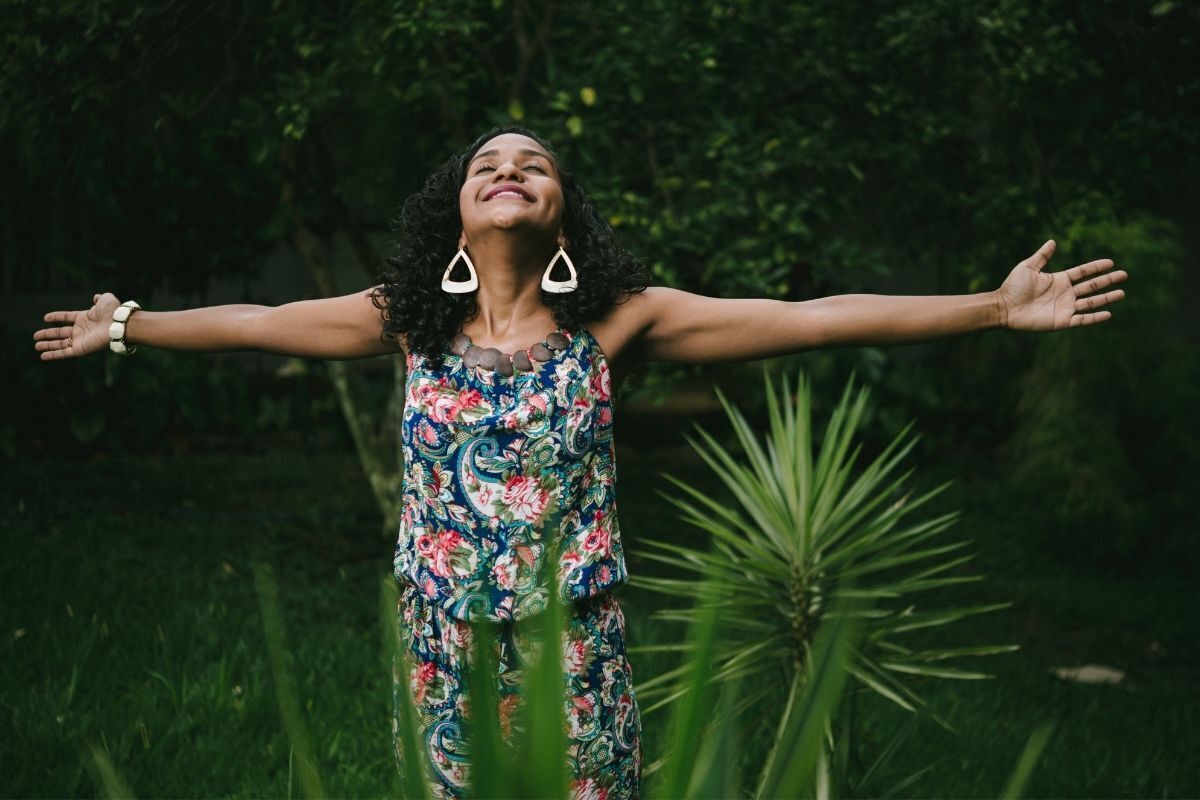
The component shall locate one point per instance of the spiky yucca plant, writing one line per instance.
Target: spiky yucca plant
(804, 531)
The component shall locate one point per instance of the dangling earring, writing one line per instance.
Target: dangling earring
(560, 287)
(460, 287)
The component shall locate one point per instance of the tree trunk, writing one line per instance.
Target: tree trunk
(377, 436)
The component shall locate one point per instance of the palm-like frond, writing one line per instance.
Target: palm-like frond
(810, 527)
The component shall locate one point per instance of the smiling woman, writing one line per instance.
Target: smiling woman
(471, 203)
(509, 462)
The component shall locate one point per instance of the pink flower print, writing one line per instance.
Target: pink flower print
(602, 383)
(604, 417)
(425, 544)
(422, 676)
(567, 564)
(460, 637)
(427, 433)
(605, 574)
(525, 498)
(575, 654)
(508, 706)
(588, 789)
(599, 539)
(504, 611)
(438, 551)
(430, 588)
(582, 715)
(444, 407)
(505, 571)
(468, 399)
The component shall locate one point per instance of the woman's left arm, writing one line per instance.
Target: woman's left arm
(679, 326)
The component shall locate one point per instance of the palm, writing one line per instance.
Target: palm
(76, 333)
(1033, 300)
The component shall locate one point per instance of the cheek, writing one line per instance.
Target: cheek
(556, 201)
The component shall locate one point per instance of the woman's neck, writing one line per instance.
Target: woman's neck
(509, 299)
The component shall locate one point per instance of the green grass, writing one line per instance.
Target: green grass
(130, 624)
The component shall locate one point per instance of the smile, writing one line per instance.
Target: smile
(508, 190)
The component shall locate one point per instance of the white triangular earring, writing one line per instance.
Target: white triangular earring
(460, 287)
(560, 287)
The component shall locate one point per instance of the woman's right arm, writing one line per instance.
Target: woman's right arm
(335, 327)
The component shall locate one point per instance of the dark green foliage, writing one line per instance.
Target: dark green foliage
(770, 149)
(773, 149)
(1103, 442)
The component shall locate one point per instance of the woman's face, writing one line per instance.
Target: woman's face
(512, 183)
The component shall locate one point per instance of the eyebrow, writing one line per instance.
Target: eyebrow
(525, 151)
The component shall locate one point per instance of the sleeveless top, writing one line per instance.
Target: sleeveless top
(503, 474)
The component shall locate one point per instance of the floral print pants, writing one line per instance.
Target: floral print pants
(601, 714)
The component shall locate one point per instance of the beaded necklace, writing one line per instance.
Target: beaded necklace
(506, 364)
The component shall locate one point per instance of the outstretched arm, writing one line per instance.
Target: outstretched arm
(336, 327)
(679, 326)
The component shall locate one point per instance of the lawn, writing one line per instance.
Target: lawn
(130, 623)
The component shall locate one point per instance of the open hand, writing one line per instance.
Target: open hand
(1032, 300)
(78, 332)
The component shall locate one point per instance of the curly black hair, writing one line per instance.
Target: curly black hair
(417, 311)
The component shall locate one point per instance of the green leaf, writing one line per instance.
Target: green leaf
(414, 775)
(798, 742)
(1026, 763)
(693, 707)
(285, 685)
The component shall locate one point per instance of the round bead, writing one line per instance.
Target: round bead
(541, 352)
(489, 357)
(471, 356)
(556, 341)
(459, 344)
(520, 360)
(504, 366)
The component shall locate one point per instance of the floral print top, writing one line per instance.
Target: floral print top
(503, 473)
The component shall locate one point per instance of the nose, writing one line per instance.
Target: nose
(508, 171)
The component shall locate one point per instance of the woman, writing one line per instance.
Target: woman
(518, 315)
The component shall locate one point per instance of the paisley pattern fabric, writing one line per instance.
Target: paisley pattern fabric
(604, 754)
(499, 472)
(505, 477)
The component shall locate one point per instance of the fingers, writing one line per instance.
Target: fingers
(53, 344)
(61, 317)
(1039, 259)
(1102, 282)
(1091, 268)
(1090, 319)
(51, 333)
(52, 351)
(1097, 301)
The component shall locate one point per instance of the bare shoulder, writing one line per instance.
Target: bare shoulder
(620, 331)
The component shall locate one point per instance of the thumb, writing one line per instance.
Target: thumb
(1039, 259)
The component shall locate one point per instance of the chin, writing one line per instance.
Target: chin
(514, 220)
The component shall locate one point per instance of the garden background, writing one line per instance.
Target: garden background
(188, 153)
